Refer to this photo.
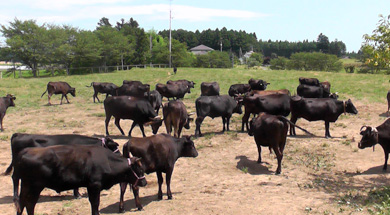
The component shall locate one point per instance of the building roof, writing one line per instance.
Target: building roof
(201, 48)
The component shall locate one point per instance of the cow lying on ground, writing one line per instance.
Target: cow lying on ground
(258, 84)
(103, 87)
(270, 130)
(59, 88)
(137, 109)
(276, 104)
(5, 102)
(20, 141)
(159, 154)
(174, 90)
(176, 116)
(373, 135)
(314, 109)
(209, 89)
(216, 106)
(92, 167)
(237, 89)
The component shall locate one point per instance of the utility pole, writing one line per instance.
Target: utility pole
(221, 45)
(170, 34)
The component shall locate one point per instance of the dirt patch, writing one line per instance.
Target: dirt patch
(224, 178)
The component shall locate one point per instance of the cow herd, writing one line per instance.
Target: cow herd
(64, 162)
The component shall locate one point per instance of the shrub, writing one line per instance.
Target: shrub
(279, 63)
(315, 61)
(214, 59)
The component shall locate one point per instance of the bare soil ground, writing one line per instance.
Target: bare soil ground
(317, 173)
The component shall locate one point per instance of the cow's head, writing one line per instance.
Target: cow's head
(334, 95)
(262, 84)
(369, 137)
(11, 98)
(136, 175)
(189, 119)
(238, 109)
(111, 145)
(188, 149)
(350, 108)
(72, 91)
(155, 123)
(191, 84)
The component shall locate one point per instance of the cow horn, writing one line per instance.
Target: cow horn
(155, 118)
(192, 113)
(364, 126)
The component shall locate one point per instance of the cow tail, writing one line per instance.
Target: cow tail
(10, 167)
(292, 124)
(90, 85)
(126, 151)
(43, 93)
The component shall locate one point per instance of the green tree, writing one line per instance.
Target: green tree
(323, 43)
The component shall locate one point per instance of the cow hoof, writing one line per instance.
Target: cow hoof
(170, 197)
(121, 210)
(277, 173)
(159, 197)
(140, 208)
(258, 161)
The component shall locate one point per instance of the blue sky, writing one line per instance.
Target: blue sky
(345, 20)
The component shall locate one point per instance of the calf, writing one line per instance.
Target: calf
(137, 109)
(59, 88)
(258, 84)
(373, 135)
(175, 114)
(237, 89)
(309, 81)
(20, 141)
(95, 168)
(209, 89)
(175, 91)
(159, 154)
(5, 102)
(276, 104)
(270, 130)
(216, 106)
(103, 87)
(314, 109)
(308, 91)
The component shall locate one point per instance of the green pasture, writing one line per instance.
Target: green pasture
(364, 87)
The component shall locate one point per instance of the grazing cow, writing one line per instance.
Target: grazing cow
(175, 91)
(308, 91)
(314, 109)
(258, 84)
(309, 81)
(62, 168)
(209, 89)
(155, 100)
(103, 87)
(133, 88)
(270, 130)
(20, 141)
(373, 135)
(276, 104)
(190, 84)
(237, 89)
(216, 106)
(159, 154)
(5, 102)
(388, 102)
(59, 88)
(137, 109)
(267, 92)
(174, 69)
(175, 114)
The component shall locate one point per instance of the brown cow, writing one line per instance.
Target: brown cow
(5, 102)
(175, 114)
(59, 88)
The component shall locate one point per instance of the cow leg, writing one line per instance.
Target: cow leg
(76, 193)
(179, 131)
(108, 118)
(66, 97)
(227, 123)
(198, 122)
(117, 120)
(327, 133)
(48, 98)
(292, 128)
(168, 126)
(94, 199)
(259, 151)
(29, 196)
(176, 128)
(62, 97)
(16, 199)
(245, 119)
(141, 126)
(386, 158)
(123, 187)
(132, 127)
(279, 156)
(1, 121)
(223, 122)
(160, 182)
(168, 177)
(136, 197)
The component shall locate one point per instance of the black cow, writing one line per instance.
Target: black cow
(326, 86)
(209, 89)
(133, 88)
(258, 84)
(314, 109)
(388, 102)
(137, 109)
(373, 135)
(309, 81)
(270, 130)
(5, 102)
(155, 100)
(20, 141)
(175, 91)
(189, 84)
(216, 106)
(159, 154)
(237, 89)
(59, 88)
(176, 116)
(276, 104)
(103, 87)
(130, 82)
(92, 167)
(308, 91)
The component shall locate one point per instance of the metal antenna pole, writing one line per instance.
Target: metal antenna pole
(170, 35)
